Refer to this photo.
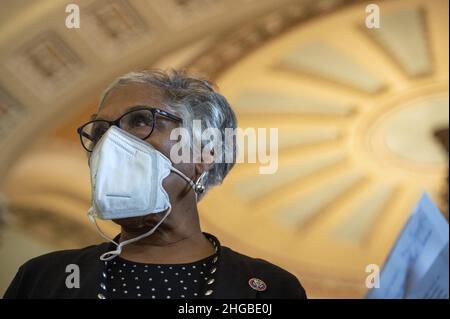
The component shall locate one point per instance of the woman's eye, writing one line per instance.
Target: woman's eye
(138, 121)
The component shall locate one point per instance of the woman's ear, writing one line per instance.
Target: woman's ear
(202, 167)
(206, 164)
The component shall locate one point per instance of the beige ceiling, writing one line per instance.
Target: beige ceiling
(355, 108)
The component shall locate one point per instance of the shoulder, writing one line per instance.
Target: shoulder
(39, 275)
(278, 277)
(63, 257)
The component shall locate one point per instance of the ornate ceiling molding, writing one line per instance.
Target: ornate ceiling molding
(332, 197)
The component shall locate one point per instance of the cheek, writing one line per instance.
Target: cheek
(162, 146)
(177, 186)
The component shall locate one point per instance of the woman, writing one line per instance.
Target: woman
(161, 251)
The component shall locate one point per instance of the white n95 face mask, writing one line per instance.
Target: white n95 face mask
(126, 177)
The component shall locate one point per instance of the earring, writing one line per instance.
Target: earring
(199, 187)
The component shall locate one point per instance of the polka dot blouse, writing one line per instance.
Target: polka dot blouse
(127, 279)
(135, 280)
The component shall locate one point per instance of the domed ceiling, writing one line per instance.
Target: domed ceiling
(356, 110)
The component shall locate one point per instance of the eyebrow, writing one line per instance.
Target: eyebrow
(132, 108)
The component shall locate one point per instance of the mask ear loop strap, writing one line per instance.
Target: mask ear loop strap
(187, 179)
(151, 231)
(91, 216)
(198, 187)
(114, 253)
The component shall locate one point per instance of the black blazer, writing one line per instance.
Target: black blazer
(45, 276)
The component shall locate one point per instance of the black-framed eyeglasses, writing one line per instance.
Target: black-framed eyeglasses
(140, 122)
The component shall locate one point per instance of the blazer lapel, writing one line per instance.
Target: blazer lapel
(93, 271)
(232, 278)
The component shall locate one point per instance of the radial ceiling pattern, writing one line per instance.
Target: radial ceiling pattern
(356, 110)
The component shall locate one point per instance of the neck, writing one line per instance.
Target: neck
(168, 246)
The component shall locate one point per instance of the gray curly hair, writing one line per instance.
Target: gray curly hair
(192, 98)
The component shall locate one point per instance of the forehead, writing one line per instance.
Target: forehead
(124, 97)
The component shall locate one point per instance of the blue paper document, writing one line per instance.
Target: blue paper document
(418, 264)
